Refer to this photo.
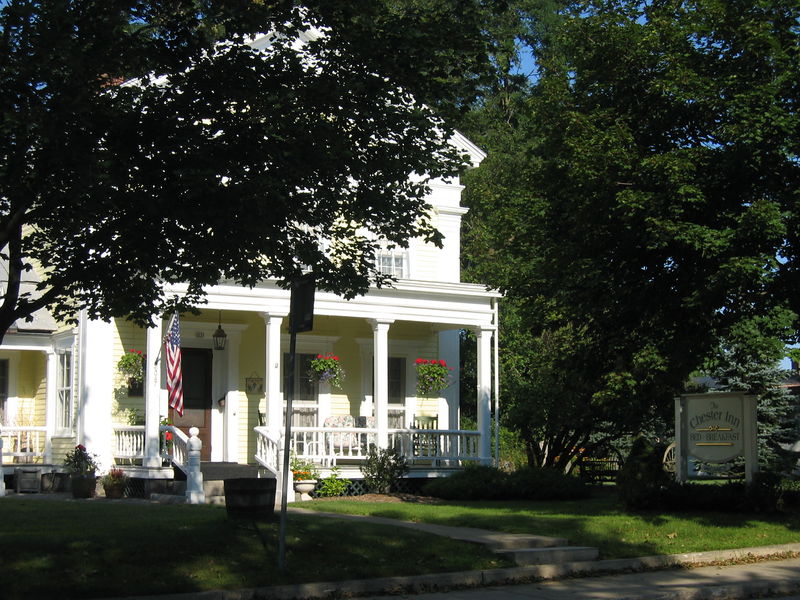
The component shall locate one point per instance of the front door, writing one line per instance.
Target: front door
(196, 363)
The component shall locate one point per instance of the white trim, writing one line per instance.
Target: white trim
(12, 400)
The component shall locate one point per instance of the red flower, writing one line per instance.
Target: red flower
(168, 436)
(443, 363)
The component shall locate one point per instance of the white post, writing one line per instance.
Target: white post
(380, 344)
(51, 405)
(152, 393)
(194, 477)
(484, 382)
(2, 473)
(273, 375)
(448, 403)
(98, 389)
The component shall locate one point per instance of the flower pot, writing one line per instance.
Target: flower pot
(114, 491)
(83, 486)
(304, 487)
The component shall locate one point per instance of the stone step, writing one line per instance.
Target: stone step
(548, 556)
(514, 541)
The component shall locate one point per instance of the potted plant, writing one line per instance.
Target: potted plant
(304, 475)
(114, 483)
(432, 376)
(326, 367)
(131, 365)
(82, 467)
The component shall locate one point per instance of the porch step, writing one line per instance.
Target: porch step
(549, 556)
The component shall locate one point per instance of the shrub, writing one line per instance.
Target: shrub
(479, 482)
(642, 479)
(382, 468)
(332, 485)
(536, 483)
(475, 482)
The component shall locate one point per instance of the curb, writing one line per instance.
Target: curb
(440, 582)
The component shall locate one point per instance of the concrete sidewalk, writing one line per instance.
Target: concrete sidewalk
(701, 583)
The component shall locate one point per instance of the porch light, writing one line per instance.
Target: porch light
(220, 338)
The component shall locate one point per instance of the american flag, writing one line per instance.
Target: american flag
(174, 373)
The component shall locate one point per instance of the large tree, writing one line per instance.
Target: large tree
(642, 189)
(143, 142)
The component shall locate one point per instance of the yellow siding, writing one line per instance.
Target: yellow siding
(31, 389)
(62, 445)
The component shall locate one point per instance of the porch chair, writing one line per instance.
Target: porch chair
(367, 439)
(339, 444)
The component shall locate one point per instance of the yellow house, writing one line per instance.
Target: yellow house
(60, 386)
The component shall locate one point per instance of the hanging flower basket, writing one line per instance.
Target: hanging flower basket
(326, 368)
(132, 365)
(432, 376)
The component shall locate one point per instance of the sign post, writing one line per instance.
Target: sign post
(715, 427)
(301, 318)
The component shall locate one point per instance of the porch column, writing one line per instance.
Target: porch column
(484, 390)
(152, 395)
(380, 369)
(98, 388)
(272, 369)
(50, 405)
(448, 403)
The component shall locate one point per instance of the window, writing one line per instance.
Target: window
(64, 391)
(4, 392)
(392, 261)
(304, 388)
(397, 380)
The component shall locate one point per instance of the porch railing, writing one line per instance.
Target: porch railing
(267, 450)
(175, 446)
(23, 444)
(129, 442)
(438, 447)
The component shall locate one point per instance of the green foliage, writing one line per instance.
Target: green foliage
(220, 160)
(474, 482)
(382, 468)
(327, 368)
(80, 462)
(332, 485)
(637, 202)
(642, 479)
(769, 492)
(748, 360)
(480, 482)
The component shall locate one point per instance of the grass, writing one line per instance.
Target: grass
(598, 522)
(96, 548)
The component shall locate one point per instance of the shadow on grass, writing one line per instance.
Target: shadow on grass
(599, 522)
(95, 548)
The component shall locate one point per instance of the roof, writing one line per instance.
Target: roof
(41, 320)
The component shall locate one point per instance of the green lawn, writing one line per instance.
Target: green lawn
(84, 549)
(598, 522)
(87, 549)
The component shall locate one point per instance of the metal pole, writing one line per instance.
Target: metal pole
(286, 448)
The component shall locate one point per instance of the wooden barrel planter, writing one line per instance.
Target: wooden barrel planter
(250, 498)
(83, 486)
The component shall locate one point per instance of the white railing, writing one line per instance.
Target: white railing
(268, 450)
(438, 447)
(174, 446)
(129, 441)
(23, 444)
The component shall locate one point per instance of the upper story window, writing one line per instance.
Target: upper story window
(392, 261)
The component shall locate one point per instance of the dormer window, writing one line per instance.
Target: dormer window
(392, 262)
